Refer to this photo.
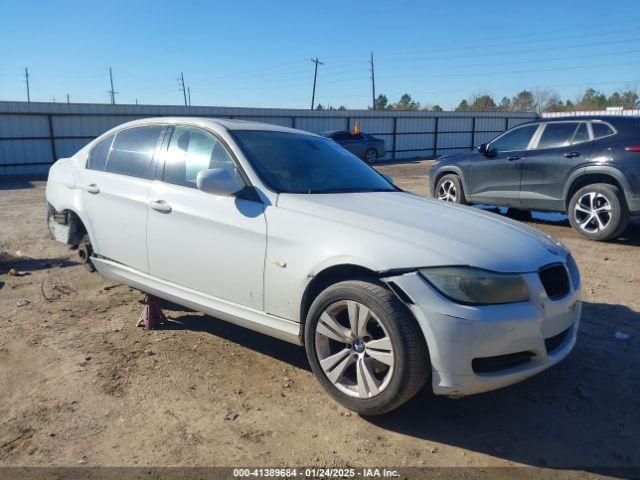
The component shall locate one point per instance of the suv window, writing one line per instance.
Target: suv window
(557, 135)
(99, 154)
(516, 139)
(601, 129)
(132, 151)
(581, 135)
(192, 150)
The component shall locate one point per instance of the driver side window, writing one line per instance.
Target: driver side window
(516, 139)
(192, 150)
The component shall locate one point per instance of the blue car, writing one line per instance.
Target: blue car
(362, 145)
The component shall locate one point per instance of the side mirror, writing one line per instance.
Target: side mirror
(483, 148)
(219, 182)
(387, 177)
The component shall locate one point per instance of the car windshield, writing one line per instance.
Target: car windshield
(298, 163)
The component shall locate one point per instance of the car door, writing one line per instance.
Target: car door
(115, 185)
(212, 244)
(495, 177)
(560, 149)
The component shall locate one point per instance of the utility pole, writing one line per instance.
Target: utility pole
(373, 84)
(112, 92)
(68, 101)
(181, 88)
(315, 76)
(189, 94)
(26, 79)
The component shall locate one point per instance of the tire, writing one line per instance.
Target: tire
(371, 156)
(361, 382)
(599, 212)
(449, 189)
(85, 250)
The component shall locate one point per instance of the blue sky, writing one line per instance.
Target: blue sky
(246, 53)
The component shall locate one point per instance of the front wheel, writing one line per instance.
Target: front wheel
(364, 347)
(598, 212)
(449, 189)
(371, 155)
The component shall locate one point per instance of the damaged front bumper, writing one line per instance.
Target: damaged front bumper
(475, 349)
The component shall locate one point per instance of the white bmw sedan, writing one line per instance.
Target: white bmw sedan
(285, 232)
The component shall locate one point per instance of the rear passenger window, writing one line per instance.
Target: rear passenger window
(601, 129)
(192, 150)
(99, 154)
(132, 151)
(557, 134)
(581, 135)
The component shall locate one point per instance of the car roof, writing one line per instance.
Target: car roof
(227, 123)
(576, 118)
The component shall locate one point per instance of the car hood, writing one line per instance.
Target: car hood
(414, 231)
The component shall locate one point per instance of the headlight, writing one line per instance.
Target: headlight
(475, 286)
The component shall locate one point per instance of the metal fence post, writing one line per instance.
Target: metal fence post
(435, 139)
(52, 139)
(473, 132)
(395, 133)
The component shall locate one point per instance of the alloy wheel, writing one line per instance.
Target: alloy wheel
(354, 349)
(447, 191)
(371, 156)
(592, 212)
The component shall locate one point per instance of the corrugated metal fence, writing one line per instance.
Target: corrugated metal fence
(33, 135)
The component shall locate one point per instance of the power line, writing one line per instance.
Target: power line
(26, 79)
(112, 92)
(315, 76)
(373, 84)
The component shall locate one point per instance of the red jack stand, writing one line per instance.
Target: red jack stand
(152, 314)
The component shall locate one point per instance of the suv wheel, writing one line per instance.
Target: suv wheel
(598, 212)
(364, 347)
(449, 189)
(371, 155)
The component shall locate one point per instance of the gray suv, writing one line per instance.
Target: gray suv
(588, 167)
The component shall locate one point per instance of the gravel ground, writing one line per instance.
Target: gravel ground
(81, 385)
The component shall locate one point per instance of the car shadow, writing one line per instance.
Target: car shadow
(583, 413)
(26, 265)
(631, 236)
(264, 344)
(20, 182)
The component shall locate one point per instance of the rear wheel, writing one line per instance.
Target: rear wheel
(371, 155)
(599, 212)
(365, 347)
(449, 189)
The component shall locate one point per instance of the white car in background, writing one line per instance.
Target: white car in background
(286, 233)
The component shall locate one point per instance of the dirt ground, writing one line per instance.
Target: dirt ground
(81, 385)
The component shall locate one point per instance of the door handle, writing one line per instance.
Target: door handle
(160, 206)
(93, 188)
(513, 157)
(571, 154)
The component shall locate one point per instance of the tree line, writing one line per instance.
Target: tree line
(539, 100)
